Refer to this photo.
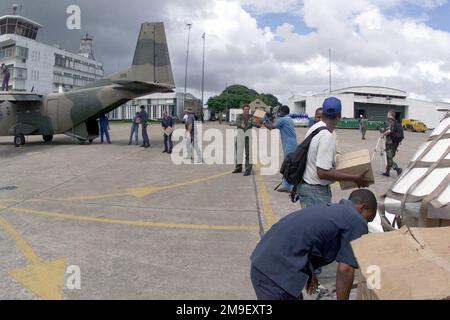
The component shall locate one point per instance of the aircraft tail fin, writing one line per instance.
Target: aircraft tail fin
(151, 63)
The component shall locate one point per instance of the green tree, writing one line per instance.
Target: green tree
(237, 95)
(270, 99)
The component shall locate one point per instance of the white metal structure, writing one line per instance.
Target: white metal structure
(374, 102)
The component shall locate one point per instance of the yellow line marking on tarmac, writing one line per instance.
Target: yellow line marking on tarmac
(269, 217)
(141, 192)
(45, 279)
(147, 224)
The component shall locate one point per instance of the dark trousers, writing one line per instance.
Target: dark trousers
(104, 133)
(145, 135)
(248, 165)
(266, 289)
(5, 84)
(168, 144)
(391, 151)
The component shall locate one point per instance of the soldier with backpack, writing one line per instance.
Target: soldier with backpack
(394, 136)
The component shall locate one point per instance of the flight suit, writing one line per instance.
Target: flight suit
(391, 147)
(104, 126)
(243, 141)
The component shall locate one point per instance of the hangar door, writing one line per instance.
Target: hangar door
(378, 112)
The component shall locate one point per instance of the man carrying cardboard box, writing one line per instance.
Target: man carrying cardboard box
(284, 261)
(167, 125)
(320, 170)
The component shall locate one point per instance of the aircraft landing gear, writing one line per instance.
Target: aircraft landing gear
(19, 140)
(48, 138)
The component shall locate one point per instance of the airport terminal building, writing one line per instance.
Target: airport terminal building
(42, 68)
(374, 103)
(156, 104)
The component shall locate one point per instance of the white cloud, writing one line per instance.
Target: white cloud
(368, 46)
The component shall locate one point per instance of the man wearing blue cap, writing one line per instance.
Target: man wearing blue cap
(320, 170)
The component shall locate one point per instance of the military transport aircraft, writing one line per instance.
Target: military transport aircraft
(75, 113)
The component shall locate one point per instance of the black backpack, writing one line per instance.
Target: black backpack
(294, 165)
(397, 134)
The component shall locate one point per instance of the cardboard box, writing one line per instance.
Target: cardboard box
(354, 163)
(406, 264)
(258, 117)
(168, 131)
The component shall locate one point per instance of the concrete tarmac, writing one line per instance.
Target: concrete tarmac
(138, 226)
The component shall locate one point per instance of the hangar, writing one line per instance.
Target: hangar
(374, 103)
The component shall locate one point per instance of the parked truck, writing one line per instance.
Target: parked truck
(414, 125)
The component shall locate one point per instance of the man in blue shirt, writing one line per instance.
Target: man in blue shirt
(104, 128)
(284, 261)
(285, 124)
(317, 117)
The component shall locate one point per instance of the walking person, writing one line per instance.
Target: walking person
(191, 137)
(394, 136)
(6, 76)
(167, 124)
(135, 129)
(104, 129)
(285, 124)
(363, 126)
(144, 123)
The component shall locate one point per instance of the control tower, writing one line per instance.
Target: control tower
(16, 24)
(86, 48)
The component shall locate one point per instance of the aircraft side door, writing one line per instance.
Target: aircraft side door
(52, 112)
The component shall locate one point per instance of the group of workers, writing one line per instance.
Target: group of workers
(290, 255)
(141, 119)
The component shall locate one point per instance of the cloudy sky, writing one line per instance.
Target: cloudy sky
(278, 47)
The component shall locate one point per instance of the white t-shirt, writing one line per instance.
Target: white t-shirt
(322, 154)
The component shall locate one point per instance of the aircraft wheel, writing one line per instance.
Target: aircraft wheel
(48, 138)
(19, 140)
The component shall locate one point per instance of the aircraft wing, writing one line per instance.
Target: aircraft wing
(143, 87)
(20, 97)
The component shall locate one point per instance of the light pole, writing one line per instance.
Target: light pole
(329, 70)
(189, 26)
(203, 71)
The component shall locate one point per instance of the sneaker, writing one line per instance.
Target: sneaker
(285, 190)
(399, 171)
(164, 151)
(386, 174)
(237, 171)
(247, 173)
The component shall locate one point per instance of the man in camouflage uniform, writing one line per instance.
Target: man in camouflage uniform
(244, 124)
(391, 146)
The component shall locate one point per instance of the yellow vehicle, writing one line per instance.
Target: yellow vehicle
(414, 125)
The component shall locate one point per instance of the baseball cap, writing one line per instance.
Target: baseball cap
(332, 107)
